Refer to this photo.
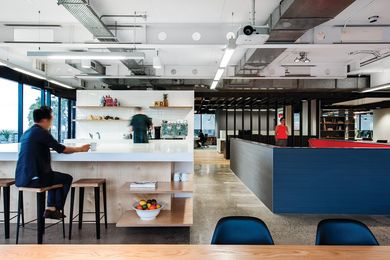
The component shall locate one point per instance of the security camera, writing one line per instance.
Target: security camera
(248, 30)
(373, 19)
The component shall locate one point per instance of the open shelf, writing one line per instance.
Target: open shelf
(105, 106)
(170, 107)
(181, 215)
(103, 120)
(164, 188)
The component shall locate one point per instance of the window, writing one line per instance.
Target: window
(197, 123)
(31, 101)
(297, 121)
(364, 123)
(8, 111)
(208, 124)
(64, 119)
(54, 106)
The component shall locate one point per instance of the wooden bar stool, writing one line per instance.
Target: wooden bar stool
(88, 183)
(41, 201)
(5, 184)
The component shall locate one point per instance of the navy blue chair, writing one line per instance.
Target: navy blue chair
(241, 231)
(344, 232)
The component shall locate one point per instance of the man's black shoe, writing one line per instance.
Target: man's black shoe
(53, 214)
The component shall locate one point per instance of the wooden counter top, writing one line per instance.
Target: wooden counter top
(172, 252)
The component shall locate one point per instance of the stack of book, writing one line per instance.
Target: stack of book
(143, 185)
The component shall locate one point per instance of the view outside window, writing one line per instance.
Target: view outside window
(8, 111)
(208, 124)
(64, 119)
(54, 106)
(31, 101)
(364, 124)
(197, 124)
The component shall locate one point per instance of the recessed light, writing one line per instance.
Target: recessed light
(162, 36)
(196, 36)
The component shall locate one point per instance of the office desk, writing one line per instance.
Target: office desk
(172, 252)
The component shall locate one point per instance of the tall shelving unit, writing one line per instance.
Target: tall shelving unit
(337, 125)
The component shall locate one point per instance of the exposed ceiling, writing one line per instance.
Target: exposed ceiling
(190, 38)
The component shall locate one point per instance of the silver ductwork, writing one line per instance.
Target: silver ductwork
(89, 67)
(84, 13)
(287, 23)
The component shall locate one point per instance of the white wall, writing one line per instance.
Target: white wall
(116, 129)
(382, 124)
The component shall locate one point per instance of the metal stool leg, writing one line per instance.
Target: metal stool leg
(63, 212)
(18, 218)
(21, 205)
(72, 192)
(41, 199)
(6, 201)
(81, 206)
(97, 211)
(105, 203)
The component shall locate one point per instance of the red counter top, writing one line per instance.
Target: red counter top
(322, 143)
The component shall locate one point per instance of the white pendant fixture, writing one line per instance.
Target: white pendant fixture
(55, 55)
(60, 84)
(157, 62)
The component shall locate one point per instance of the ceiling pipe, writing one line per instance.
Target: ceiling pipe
(287, 23)
(253, 12)
(84, 13)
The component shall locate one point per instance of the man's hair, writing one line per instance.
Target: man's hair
(281, 119)
(42, 113)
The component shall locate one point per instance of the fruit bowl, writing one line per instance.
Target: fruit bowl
(147, 214)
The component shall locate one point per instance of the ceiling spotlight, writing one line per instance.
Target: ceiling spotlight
(157, 62)
(373, 19)
(302, 58)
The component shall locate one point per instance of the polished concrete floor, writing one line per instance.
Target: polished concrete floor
(218, 193)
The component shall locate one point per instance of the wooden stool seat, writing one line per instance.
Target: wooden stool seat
(98, 185)
(40, 190)
(41, 201)
(7, 182)
(88, 183)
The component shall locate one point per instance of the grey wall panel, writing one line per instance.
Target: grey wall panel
(253, 163)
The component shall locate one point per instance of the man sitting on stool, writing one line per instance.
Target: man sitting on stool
(33, 168)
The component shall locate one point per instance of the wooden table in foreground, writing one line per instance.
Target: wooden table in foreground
(200, 252)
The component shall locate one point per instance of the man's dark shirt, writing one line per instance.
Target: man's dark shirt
(140, 123)
(34, 155)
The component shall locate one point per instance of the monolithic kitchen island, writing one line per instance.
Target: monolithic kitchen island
(121, 163)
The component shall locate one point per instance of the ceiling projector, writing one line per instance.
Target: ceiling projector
(252, 35)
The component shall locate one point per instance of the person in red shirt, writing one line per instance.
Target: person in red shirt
(281, 133)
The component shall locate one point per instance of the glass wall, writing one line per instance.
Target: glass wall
(206, 122)
(197, 124)
(64, 119)
(54, 106)
(13, 113)
(8, 111)
(364, 123)
(31, 101)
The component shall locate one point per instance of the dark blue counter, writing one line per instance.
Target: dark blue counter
(315, 181)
